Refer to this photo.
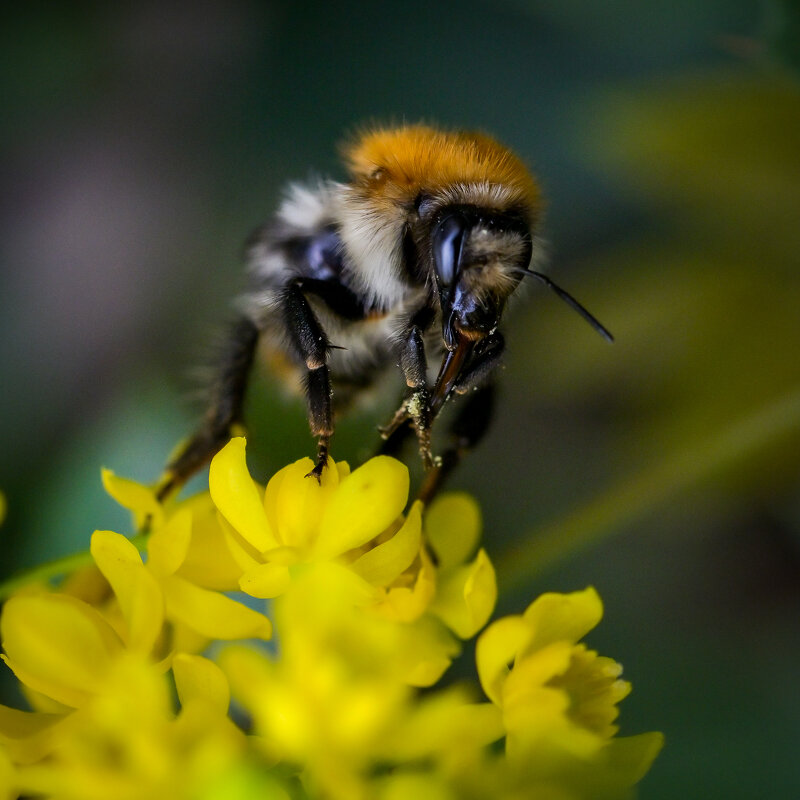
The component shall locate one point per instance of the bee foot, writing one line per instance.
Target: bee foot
(317, 471)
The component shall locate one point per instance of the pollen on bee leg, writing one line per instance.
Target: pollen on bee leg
(414, 405)
(418, 406)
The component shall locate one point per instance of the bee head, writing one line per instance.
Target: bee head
(477, 256)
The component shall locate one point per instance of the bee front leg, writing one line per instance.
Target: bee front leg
(474, 412)
(311, 346)
(416, 407)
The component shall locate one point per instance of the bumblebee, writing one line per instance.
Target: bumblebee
(411, 261)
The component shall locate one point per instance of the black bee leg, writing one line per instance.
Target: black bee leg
(311, 346)
(318, 391)
(474, 413)
(394, 438)
(224, 412)
(396, 432)
(468, 428)
(415, 369)
(416, 407)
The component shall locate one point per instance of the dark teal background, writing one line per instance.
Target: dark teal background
(142, 143)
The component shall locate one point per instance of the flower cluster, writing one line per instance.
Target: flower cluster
(154, 677)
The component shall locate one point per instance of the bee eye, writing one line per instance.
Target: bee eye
(448, 240)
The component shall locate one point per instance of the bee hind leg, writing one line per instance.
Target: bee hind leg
(224, 410)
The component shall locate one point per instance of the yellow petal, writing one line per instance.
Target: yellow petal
(287, 556)
(137, 591)
(8, 787)
(453, 528)
(209, 562)
(198, 679)
(40, 702)
(139, 499)
(58, 646)
(497, 646)
(64, 694)
(236, 496)
(296, 502)
(408, 603)
(541, 725)
(27, 735)
(87, 584)
(531, 673)
(423, 785)
(382, 564)
(186, 640)
(244, 555)
(249, 673)
(169, 543)
(271, 496)
(430, 650)
(265, 580)
(366, 503)
(211, 613)
(629, 757)
(466, 597)
(554, 617)
(444, 721)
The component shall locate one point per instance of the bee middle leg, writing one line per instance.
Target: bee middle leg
(311, 346)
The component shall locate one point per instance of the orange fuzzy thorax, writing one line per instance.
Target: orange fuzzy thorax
(399, 163)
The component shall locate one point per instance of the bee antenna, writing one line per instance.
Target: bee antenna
(570, 301)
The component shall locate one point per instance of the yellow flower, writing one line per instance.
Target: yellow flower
(126, 742)
(298, 520)
(559, 699)
(188, 562)
(370, 602)
(63, 648)
(186, 538)
(58, 646)
(466, 592)
(337, 699)
(356, 518)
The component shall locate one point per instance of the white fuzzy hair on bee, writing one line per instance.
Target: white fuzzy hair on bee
(410, 262)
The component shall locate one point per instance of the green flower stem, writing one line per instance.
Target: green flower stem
(636, 497)
(55, 568)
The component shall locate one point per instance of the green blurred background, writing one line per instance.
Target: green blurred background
(142, 142)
